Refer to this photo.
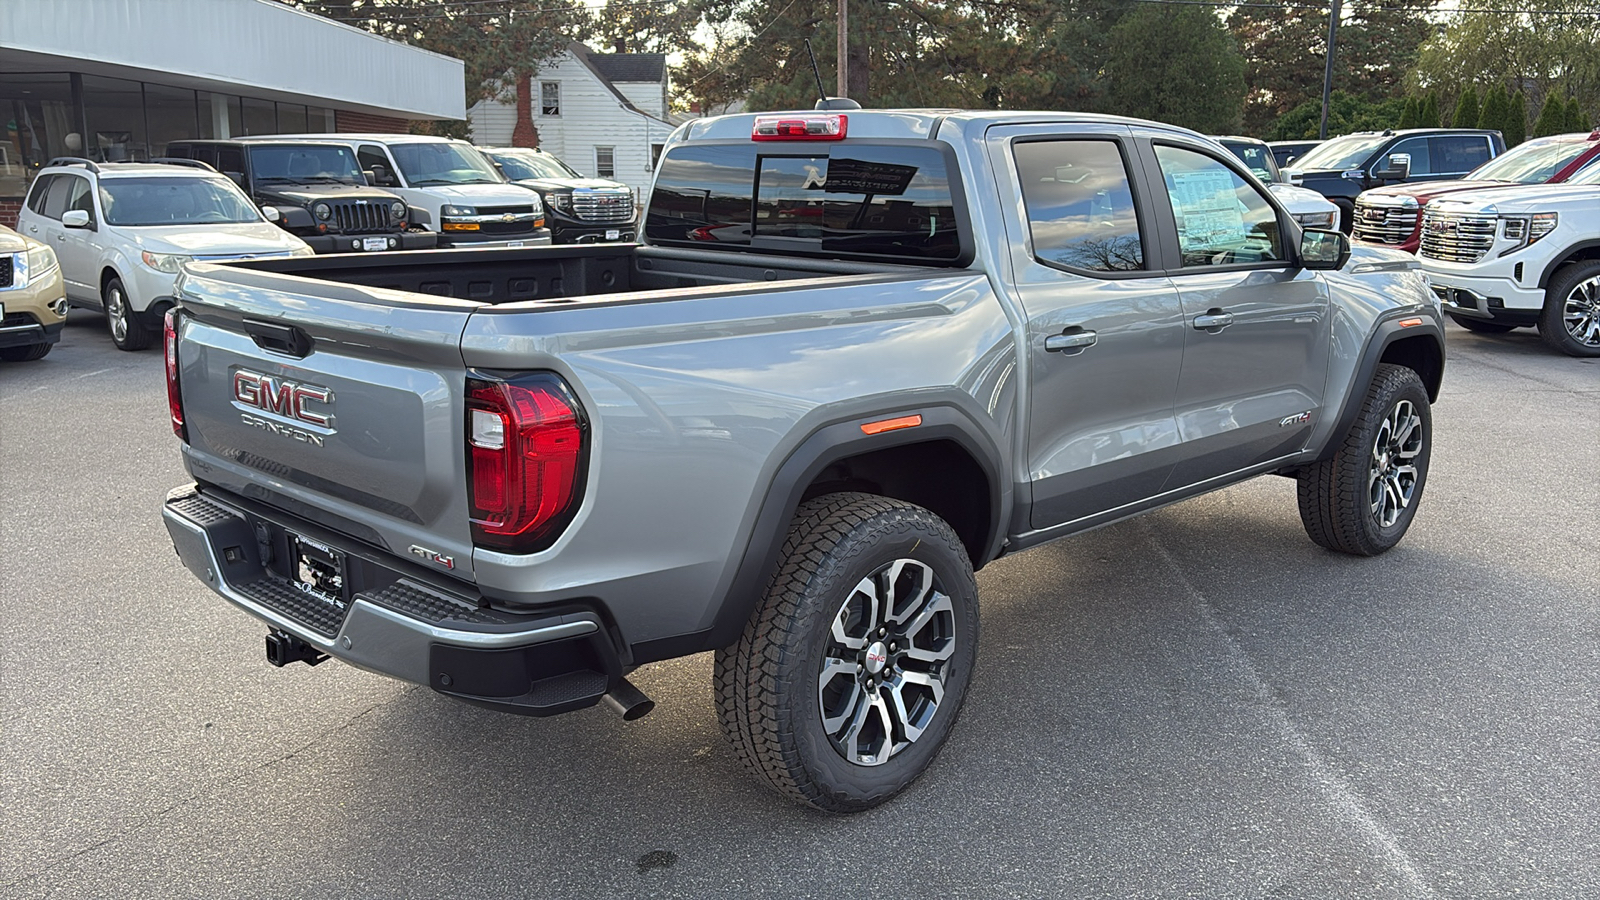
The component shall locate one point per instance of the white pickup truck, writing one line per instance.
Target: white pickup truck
(1509, 257)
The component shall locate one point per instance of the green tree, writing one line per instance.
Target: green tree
(1496, 109)
(1410, 114)
(1516, 130)
(1346, 113)
(1552, 117)
(1176, 64)
(1467, 113)
(1430, 111)
(1577, 119)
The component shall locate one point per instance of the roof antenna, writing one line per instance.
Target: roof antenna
(823, 100)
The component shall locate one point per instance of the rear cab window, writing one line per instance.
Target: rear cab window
(882, 200)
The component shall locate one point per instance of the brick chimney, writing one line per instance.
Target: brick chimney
(524, 134)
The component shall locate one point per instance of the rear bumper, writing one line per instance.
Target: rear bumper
(390, 621)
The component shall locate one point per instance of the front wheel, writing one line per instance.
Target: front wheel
(850, 674)
(25, 353)
(1362, 500)
(127, 329)
(1570, 321)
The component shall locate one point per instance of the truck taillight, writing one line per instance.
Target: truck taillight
(800, 127)
(169, 344)
(526, 451)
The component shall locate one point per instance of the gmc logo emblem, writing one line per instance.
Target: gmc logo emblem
(283, 397)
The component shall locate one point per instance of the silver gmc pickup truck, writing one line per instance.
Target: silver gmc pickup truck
(856, 356)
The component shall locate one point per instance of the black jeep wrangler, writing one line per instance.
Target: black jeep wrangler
(317, 189)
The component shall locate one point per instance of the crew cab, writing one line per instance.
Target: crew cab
(451, 189)
(1341, 168)
(1510, 257)
(1392, 216)
(315, 191)
(923, 340)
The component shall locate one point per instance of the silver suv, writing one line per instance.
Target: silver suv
(124, 230)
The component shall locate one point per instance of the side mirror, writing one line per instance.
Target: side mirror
(382, 178)
(75, 218)
(1396, 168)
(272, 214)
(1293, 176)
(1323, 249)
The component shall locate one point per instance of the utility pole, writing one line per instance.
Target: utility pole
(844, 48)
(1327, 74)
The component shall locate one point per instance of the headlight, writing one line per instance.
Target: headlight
(397, 210)
(1526, 230)
(322, 211)
(40, 262)
(1322, 221)
(448, 210)
(169, 263)
(561, 200)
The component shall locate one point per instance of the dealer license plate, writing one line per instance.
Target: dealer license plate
(317, 569)
(514, 244)
(375, 243)
(613, 234)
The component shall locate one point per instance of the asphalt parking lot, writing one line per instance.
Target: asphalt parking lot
(1199, 703)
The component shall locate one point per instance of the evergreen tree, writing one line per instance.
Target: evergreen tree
(1577, 119)
(1496, 109)
(1516, 130)
(1467, 111)
(1410, 115)
(1176, 64)
(1430, 111)
(1552, 117)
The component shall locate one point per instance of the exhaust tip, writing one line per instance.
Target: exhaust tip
(629, 701)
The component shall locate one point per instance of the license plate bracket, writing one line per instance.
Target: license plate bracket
(317, 569)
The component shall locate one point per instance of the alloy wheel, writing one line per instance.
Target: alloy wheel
(117, 313)
(1392, 478)
(1580, 312)
(884, 666)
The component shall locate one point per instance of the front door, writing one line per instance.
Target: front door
(1256, 326)
(1104, 333)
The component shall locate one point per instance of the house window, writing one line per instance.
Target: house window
(549, 98)
(605, 165)
(655, 154)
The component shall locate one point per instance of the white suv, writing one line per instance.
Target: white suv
(452, 186)
(123, 230)
(1503, 258)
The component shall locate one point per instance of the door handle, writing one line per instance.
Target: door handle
(1072, 340)
(1213, 320)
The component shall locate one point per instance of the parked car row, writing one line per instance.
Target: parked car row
(113, 236)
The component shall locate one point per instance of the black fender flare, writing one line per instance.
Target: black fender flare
(1385, 335)
(839, 437)
(1562, 259)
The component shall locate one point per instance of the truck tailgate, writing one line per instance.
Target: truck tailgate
(343, 406)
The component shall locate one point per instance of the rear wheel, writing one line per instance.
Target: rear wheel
(24, 353)
(1570, 321)
(851, 672)
(1478, 326)
(127, 328)
(1362, 500)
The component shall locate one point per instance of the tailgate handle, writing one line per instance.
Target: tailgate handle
(278, 338)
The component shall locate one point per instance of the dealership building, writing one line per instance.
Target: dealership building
(113, 80)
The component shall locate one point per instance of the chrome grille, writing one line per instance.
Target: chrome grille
(1383, 224)
(353, 217)
(6, 274)
(603, 206)
(1456, 238)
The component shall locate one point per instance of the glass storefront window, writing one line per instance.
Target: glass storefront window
(114, 109)
(291, 119)
(260, 116)
(319, 119)
(36, 119)
(170, 113)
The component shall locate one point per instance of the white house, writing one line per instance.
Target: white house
(604, 114)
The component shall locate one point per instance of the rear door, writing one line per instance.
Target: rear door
(339, 404)
(1256, 326)
(1104, 325)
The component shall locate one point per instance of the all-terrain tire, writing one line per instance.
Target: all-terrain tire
(812, 651)
(1363, 498)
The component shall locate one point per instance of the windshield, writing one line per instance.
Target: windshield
(1257, 157)
(520, 166)
(1532, 163)
(1589, 174)
(305, 164)
(425, 164)
(175, 201)
(1340, 153)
